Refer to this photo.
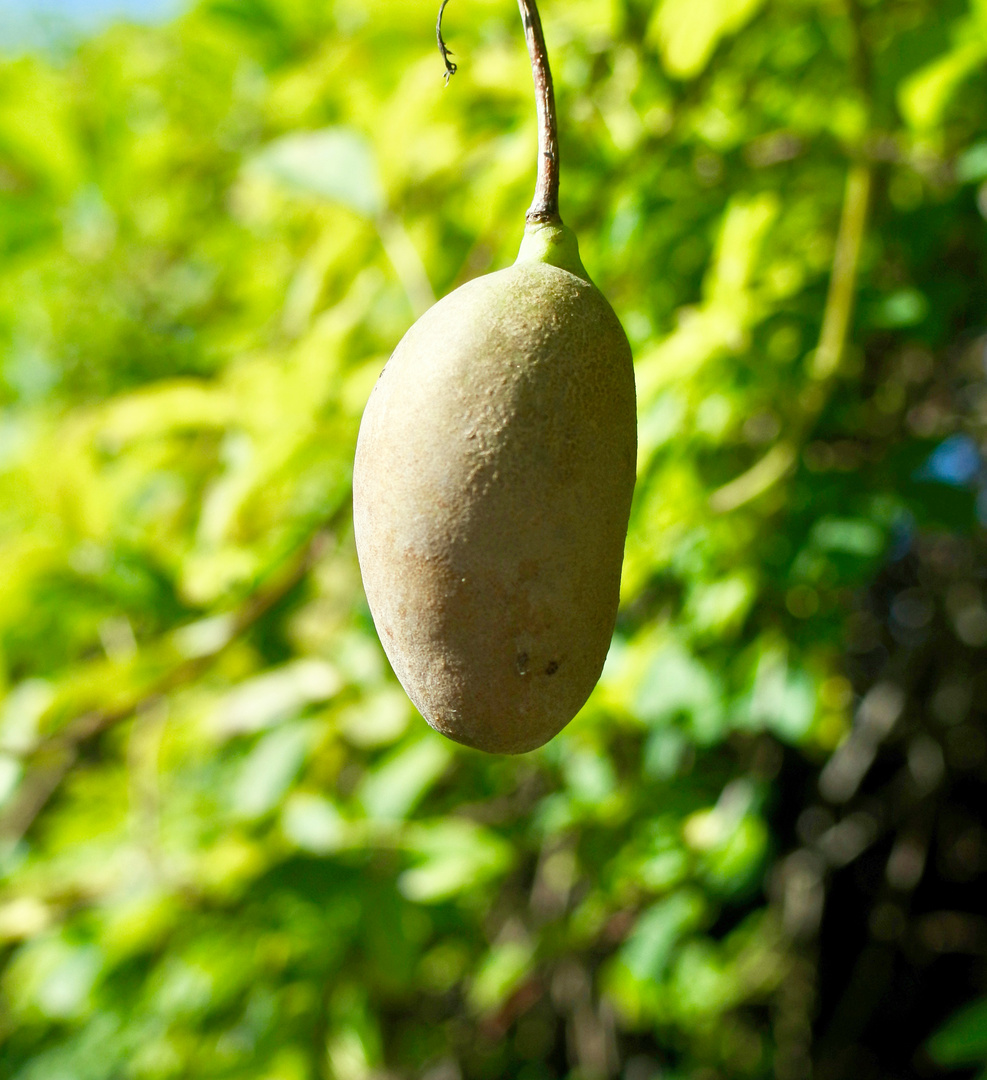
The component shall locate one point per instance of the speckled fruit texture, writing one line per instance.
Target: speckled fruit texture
(492, 487)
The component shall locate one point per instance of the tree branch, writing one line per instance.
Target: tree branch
(840, 299)
(545, 205)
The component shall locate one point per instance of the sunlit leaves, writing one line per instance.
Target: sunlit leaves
(451, 857)
(687, 31)
(254, 859)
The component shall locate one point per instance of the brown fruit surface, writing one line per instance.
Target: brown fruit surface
(492, 487)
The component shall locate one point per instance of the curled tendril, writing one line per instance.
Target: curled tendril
(444, 49)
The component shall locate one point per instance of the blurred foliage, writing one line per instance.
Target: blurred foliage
(229, 848)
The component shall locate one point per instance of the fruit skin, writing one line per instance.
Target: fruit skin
(492, 487)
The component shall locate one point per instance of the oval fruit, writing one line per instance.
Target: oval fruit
(492, 487)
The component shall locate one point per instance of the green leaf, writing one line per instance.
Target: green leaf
(962, 1040)
(334, 163)
(10, 775)
(783, 699)
(647, 952)
(499, 975)
(37, 127)
(924, 97)
(851, 536)
(54, 977)
(269, 769)
(677, 683)
(687, 31)
(718, 607)
(313, 823)
(906, 307)
(274, 696)
(589, 775)
(971, 165)
(376, 719)
(456, 856)
(20, 713)
(392, 790)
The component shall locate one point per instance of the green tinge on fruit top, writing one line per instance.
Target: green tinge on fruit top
(553, 244)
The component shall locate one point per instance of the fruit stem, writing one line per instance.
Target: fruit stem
(545, 205)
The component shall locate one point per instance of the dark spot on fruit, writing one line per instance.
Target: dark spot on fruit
(553, 666)
(522, 663)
